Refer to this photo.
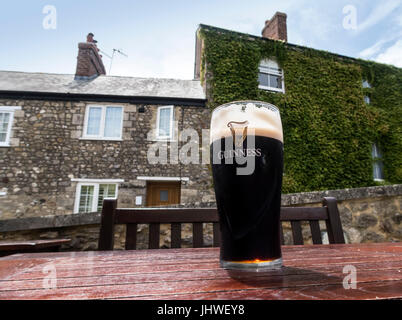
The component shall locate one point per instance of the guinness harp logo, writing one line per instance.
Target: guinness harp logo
(239, 132)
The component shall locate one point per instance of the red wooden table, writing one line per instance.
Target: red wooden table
(310, 272)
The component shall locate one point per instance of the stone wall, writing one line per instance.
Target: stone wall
(367, 214)
(47, 152)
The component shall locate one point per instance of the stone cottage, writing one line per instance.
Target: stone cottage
(68, 141)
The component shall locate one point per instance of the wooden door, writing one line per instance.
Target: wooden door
(163, 193)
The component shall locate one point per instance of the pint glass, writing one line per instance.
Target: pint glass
(247, 165)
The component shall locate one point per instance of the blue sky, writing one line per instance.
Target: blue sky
(159, 36)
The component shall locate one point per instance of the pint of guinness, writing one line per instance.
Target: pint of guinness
(247, 165)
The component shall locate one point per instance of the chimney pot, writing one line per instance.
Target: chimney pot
(90, 37)
(276, 28)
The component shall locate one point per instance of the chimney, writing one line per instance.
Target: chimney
(276, 28)
(89, 61)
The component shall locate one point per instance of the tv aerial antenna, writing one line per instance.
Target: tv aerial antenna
(119, 51)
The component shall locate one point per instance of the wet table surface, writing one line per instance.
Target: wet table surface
(358, 271)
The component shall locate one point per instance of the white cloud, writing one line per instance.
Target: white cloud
(318, 24)
(379, 45)
(371, 51)
(379, 13)
(393, 55)
(170, 57)
(310, 25)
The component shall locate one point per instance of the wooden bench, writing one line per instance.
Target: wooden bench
(12, 247)
(111, 216)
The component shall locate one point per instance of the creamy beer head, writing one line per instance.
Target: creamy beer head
(259, 118)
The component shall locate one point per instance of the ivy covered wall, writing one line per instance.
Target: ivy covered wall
(328, 128)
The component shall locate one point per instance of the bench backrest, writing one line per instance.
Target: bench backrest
(111, 216)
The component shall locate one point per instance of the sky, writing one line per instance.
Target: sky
(158, 36)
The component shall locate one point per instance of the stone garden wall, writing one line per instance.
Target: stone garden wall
(368, 215)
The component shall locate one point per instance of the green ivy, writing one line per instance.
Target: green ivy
(328, 129)
(386, 100)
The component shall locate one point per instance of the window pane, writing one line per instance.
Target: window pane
(86, 198)
(375, 152)
(164, 122)
(111, 192)
(366, 84)
(4, 123)
(113, 122)
(94, 119)
(378, 165)
(269, 63)
(263, 79)
(275, 82)
(164, 195)
(106, 191)
(378, 170)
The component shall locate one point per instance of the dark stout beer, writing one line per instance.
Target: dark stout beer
(248, 202)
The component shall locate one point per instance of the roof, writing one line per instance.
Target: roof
(287, 44)
(290, 45)
(50, 83)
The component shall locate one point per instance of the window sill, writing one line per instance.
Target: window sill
(5, 145)
(163, 140)
(86, 212)
(271, 89)
(101, 139)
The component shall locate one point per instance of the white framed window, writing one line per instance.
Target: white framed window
(164, 123)
(6, 123)
(90, 194)
(271, 76)
(378, 164)
(103, 122)
(366, 85)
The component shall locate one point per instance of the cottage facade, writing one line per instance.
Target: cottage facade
(68, 141)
